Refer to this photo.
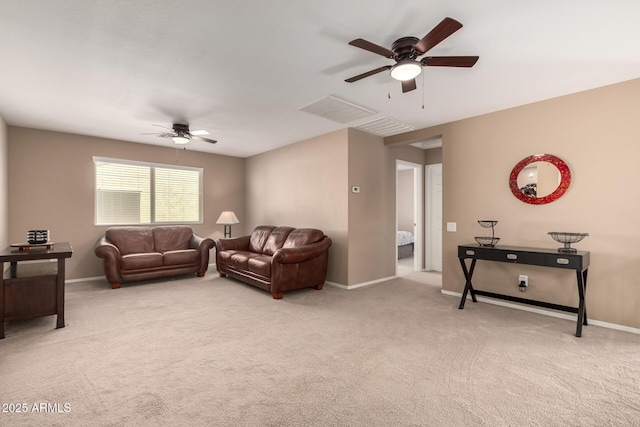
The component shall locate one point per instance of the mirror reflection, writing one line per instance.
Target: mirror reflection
(539, 179)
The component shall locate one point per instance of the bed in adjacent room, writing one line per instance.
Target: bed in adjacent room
(405, 244)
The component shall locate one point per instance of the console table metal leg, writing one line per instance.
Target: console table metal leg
(584, 285)
(581, 307)
(60, 294)
(468, 287)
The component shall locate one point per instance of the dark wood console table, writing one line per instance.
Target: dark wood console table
(577, 261)
(33, 289)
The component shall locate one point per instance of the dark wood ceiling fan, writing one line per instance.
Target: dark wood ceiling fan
(406, 50)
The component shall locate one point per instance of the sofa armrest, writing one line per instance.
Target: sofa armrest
(237, 243)
(200, 243)
(302, 253)
(203, 245)
(111, 255)
(104, 249)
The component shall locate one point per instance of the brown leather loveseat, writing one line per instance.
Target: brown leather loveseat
(141, 253)
(276, 259)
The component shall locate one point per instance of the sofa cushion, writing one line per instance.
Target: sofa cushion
(237, 259)
(131, 240)
(141, 261)
(180, 257)
(260, 265)
(276, 240)
(171, 238)
(302, 237)
(259, 237)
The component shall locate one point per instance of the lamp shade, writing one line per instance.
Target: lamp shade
(406, 70)
(227, 217)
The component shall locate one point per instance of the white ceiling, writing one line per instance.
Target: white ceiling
(241, 69)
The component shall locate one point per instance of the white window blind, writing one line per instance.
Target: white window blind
(130, 192)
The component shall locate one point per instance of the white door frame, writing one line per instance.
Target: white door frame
(418, 208)
(429, 217)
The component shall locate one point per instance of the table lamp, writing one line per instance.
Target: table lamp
(227, 218)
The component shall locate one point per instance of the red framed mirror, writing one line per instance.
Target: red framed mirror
(540, 179)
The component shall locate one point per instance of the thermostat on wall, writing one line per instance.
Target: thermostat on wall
(355, 189)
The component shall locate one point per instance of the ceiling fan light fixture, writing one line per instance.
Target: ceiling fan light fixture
(406, 70)
(180, 139)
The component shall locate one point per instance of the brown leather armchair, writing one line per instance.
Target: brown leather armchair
(276, 259)
(141, 253)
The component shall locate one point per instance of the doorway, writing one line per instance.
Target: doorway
(409, 217)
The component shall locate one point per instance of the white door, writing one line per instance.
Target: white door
(433, 177)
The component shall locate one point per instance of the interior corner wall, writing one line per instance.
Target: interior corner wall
(433, 156)
(51, 186)
(4, 185)
(372, 211)
(304, 185)
(596, 133)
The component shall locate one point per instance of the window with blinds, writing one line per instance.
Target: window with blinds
(128, 192)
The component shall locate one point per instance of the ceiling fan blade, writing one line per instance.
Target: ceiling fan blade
(367, 74)
(160, 126)
(372, 47)
(444, 29)
(408, 85)
(167, 134)
(450, 61)
(211, 141)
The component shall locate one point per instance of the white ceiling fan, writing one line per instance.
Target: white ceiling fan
(181, 135)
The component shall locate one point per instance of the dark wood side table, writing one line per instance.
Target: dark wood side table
(33, 289)
(577, 261)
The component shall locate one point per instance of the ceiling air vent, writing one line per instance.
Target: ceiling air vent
(385, 127)
(336, 109)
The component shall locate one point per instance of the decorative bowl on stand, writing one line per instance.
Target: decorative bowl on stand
(567, 239)
(486, 223)
(488, 241)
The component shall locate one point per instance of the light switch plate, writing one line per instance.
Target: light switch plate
(451, 226)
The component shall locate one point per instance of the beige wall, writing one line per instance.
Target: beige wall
(372, 219)
(433, 156)
(4, 189)
(304, 185)
(51, 186)
(596, 133)
(372, 212)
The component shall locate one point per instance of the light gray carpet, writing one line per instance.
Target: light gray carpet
(214, 352)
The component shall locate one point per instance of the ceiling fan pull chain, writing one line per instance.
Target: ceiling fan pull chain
(423, 91)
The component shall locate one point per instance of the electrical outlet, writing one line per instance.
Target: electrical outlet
(523, 281)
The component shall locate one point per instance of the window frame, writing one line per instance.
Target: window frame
(152, 166)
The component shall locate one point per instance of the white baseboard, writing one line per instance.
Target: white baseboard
(359, 285)
(86, 279)
(545, 312)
